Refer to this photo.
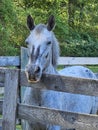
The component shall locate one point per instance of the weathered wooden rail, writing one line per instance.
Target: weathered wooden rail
(42, 114)
(11, 79)
(78, 61)
(7, 61)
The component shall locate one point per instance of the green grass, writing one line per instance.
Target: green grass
(1, 95)
(18, 127)
(60, 67)
(93, 68)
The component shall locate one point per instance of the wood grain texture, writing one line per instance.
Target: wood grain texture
(24, 57)
(1, 104)
(10, 100)
(64, 84)
(9, 61)
(46, 115)
(78, 61)
(24, 61)
(0, 121)
(57, 117)
(2, 75)
(1, 84)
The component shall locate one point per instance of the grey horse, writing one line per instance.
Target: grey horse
(43, 53)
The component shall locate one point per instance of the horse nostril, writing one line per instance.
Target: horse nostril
(37, 70)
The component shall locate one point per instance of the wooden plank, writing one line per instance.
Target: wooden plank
(64, 84)
(57, 117)
(78, 61)
(2, 75)
(10, 100)
(24, 61)
(1, 85)
(9, 61)
(1, 103)
(24, 57)
(0, 121)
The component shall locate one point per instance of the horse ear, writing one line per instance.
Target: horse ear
(51, 23)
(30, 22)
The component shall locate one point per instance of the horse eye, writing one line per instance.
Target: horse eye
(48, 43)
(46, 56)
(26, 41)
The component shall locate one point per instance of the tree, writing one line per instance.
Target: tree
(76, 21)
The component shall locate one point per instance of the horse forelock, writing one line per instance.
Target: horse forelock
(39, 28)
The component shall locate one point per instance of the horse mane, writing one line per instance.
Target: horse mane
(55, 51)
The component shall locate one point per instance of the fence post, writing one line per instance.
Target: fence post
(10, 99)
(24, 60)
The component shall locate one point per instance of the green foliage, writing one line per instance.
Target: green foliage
(11, 34)
(80, 48)
(6, 21)
(76, 24)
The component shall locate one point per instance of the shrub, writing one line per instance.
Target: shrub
(81, 49)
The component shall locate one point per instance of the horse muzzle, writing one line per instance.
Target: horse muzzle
(33, 73)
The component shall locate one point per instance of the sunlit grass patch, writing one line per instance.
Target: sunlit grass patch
(93, 68)
(18, 127)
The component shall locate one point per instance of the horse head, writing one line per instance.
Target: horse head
(40, 43)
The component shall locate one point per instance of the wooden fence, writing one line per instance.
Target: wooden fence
(12, 109)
